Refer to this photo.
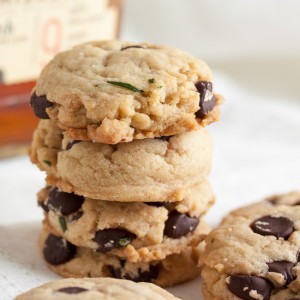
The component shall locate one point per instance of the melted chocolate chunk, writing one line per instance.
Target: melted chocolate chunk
(156, 204)
(112, 238)
(135, 46)
(65, 203)
(165, 138)
(284, 268)
(179, 225)
(71, 144)
(207, 100)
(39, 105)
(273, 225)
(72, 290)
(143, 276)
(77, 215)
(242, 285)
(57, 250)
(44, 206)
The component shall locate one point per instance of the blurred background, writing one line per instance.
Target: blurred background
(257, 43)
(253, 48)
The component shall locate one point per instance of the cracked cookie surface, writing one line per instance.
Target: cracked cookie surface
(96, 288)
(254, 252)
(112, 92)
(142, 170)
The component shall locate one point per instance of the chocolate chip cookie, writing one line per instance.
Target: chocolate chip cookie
(254, 253)
(113, 91)
(136, 231)
(96, 288)
(143, 170)
(68, 260)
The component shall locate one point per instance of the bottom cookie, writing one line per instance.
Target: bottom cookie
(96, 288)
(68, 260)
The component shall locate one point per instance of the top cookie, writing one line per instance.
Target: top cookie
(114, 91)
(96, 288)
(254, 253)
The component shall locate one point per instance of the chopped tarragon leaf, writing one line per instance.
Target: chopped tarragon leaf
(125, 85)
(152, 80)
(47, 162)
(124, 242)
(63, 223)
(159, 87)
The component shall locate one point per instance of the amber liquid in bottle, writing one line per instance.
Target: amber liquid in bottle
(31, 33)
(16, 119)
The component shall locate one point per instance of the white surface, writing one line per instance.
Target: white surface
(257, 150)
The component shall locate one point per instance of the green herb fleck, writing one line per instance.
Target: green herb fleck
(63, 223)
(125, 85)
(47, 162)
(152, 80)
(96, 85)
(124, 242)
(159, 87)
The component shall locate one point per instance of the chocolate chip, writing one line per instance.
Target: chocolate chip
(44, 206)
(72, 290)
(77, 215)
(112, 238)
(156, 204)
(284, 268)
(242, 285)
(273, 225)
(165, 138)
(143, 276)
(179, 224)
(39, 105)
(65, 203)
(71, 144)
(135, 46)
(207, 99)
(57, 250)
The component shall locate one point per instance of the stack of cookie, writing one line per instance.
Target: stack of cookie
(122, 142)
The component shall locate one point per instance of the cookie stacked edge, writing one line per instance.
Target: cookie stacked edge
(122, 142)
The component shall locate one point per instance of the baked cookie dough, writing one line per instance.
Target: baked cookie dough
(142, 170)
(254, 253)
(113, 91)
(137, 231)
(68, 260)
(96, 288)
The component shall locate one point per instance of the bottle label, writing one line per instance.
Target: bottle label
(33, 31)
